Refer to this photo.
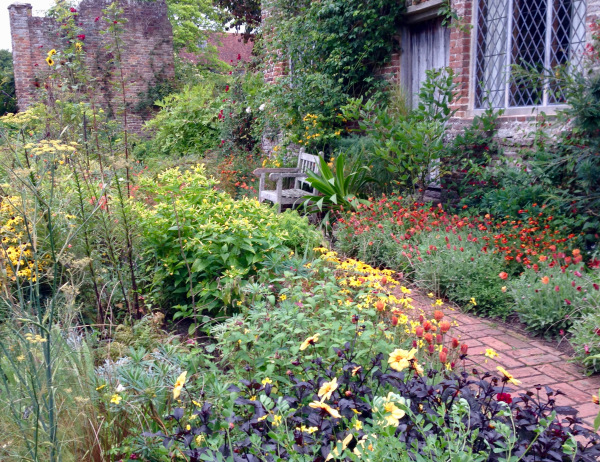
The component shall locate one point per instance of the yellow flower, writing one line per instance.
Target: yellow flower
(595, 399)
(358, 425)
(490, 353)
(474, 303)
(356, 370)
(266, 380)
(395, 414)
(283, 297)
(503, 289)
(400, 359)
(430, 295)
(325, 407)
(508, 377)
(50, 61)
(78, 46)
(100, 387)
(309, 341)
(309, 430)
(115, 399)
(327, 389)
(277, 420)
(334, 452)
(179, 385)
(199, 439)
(439, 302)
(52, 52)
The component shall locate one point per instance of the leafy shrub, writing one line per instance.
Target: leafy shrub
(586, 341)
(199, 243)
(548, 301)
(455, 266)
(336, 189)
(188, 121)
(410, 145)
(347, 405)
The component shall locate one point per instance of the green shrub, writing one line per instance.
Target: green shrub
(548, 306)
(586, 341)
(188, 122)
(199, 244)
(460, 270)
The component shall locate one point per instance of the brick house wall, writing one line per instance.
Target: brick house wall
(147, 54)
(515, 127)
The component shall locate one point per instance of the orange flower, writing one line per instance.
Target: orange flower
(444, 326)
(545, 280)
(438, 315)
(503, 275)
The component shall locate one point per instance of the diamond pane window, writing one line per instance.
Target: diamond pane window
(538, 36)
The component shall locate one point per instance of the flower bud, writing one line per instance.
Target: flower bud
(443, 357)
(419, 331)
(429, 338)
(455, 342)
(439, 339)
(445, 326)
(464, 348)
(427, 326)
(394, 321)
(431, 349)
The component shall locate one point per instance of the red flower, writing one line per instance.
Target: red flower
(455, 343)
(97, 19)
(504, 398)
(419, 331)
(464, 348)
(443, 357)
(567, 301)
(226, 88)
(444, 327)
(503, 275)
(81, 37)
(73, 10)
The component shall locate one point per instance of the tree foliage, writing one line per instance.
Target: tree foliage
(243, 16)
(8, 99)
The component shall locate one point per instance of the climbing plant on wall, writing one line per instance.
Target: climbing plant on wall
(334, 49)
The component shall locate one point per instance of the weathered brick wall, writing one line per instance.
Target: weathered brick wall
(147, 53)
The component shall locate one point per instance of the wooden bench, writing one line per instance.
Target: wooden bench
(301, 187)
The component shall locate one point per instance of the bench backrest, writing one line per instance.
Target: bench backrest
(306, 162)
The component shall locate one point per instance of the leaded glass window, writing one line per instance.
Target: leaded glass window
(539, 36)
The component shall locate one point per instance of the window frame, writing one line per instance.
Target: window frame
(515, 111)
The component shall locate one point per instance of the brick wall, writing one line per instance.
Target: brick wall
(147, 53)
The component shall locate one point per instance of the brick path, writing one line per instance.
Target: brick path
(530, 361)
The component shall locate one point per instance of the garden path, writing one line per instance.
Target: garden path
(530, 360)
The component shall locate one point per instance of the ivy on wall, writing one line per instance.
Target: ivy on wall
(334, 49)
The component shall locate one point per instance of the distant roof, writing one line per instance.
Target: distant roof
(230, 48)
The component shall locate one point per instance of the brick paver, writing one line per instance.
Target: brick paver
(529, 360)
(532, 362)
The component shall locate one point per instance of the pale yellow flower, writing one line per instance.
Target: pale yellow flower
(400, 359)
(509, 378)
(309, 341)
(179, 385)
(327, 389)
